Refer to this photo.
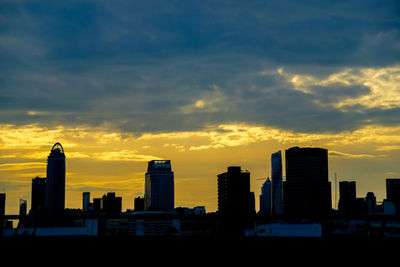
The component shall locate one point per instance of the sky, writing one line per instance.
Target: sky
(206, 84)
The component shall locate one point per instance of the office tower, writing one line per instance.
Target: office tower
(55, 189)
(347, 199)
(97, 204)
(85, 201)
(234, 192)
(2, 210)
(265, 198)
(38, 194)
(22, 207)
(393, 192)
(111, 203)
(159, 186)
(307, 191)
(370, 201)
(277, 188)
(2, 204)
(139, 204)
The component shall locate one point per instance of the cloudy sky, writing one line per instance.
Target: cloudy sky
(206, 84)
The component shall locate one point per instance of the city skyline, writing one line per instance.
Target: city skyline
(57, 147)
(204, 84)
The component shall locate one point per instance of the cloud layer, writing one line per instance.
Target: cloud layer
(155, 66)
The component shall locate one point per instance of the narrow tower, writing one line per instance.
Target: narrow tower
(55, 188)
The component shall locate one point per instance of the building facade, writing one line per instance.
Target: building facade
(38, 194)
(265, 198)
(393, 192)
(307, 190)
(276, 182)
(55, 188)
(347, 198)
(159, 186)
(85, 201)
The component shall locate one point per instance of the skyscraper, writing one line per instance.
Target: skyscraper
(159, 186)
(38, 194)
(265, 198)
(234, 192)
(393, 192)
(55, 189)
(277, 189)
(85, 201)
(234, 200)
(348, 198)
(307, 190)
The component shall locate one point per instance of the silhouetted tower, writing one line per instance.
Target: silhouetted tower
(23, 205)
(2, 204)
(38, 194)
(370, 200)
(111, 203)
(139, 204)
(55, 189)
(234, 192)
(159, 186)
(393, 192)
(276, 181)
(265, 198)
(85, 201)
(307, 191)
(347, 198)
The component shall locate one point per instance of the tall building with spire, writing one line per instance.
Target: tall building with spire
(159, 186)
(276, 183)
(55, 180)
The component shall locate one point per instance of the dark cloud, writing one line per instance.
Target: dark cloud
(141, 66)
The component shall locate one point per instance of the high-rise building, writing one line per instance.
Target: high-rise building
(234, 200)
(265, 198)
(348, 198)
(23, 207)
(85, 201)
(159, 186)
(393, 192)
(38, 194)
(276, 182)
(307, 190)
(234, 192)
(2, 209)
(111, 203)
(370, 201)
(2, 204)
(55, 188)
(139, 204)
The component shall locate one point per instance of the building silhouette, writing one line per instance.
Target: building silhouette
(393, 192)
(276, 182)
(23, 205)
(159, 186)
(347, 198)
(370, 202)
(265, 199)
(307, 191)
(55, 188)
(85, 201)
(234, 192)
(2, 204)
(111, 203)
(139, 204)
(38, 194)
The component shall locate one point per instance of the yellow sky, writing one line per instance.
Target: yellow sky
(101, 160)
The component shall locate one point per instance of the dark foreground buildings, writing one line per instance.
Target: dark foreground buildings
(307, 191)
